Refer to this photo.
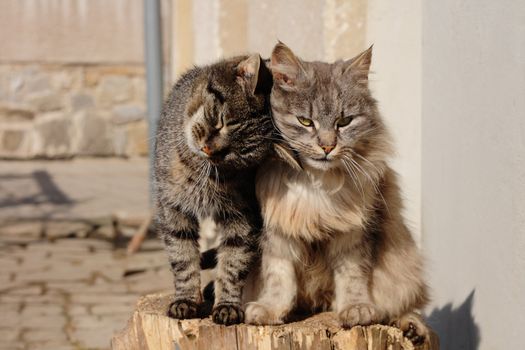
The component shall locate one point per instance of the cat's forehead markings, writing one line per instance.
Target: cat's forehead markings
(215, 92)
(199, 112)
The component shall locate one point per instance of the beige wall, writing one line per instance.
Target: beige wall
(394, 27)
(75, 31)
(474, 170)
(71, 31)
(315, 29)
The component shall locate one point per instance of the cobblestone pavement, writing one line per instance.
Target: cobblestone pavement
(73, 293)
(64, 283)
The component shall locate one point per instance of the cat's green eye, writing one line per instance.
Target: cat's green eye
(305, 121)
(344, 121)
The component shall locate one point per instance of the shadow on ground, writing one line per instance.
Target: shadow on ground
(456, 327)
(49, 191)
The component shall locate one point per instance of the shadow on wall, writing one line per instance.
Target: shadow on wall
(456, 327)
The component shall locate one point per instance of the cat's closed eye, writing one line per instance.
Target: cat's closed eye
(233, 122)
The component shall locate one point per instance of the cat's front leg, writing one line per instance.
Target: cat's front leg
(179, 232)
(353, 302)
(279, 281)
(235, 258)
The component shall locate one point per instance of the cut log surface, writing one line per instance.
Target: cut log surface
(149, 328)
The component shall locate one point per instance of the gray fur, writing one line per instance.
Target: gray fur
(334, 234)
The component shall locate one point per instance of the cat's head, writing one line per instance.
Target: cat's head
(228, 118)
(325, 111)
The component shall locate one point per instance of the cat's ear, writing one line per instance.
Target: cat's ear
(287, 69)
(248, 72)
(288, 156)
(359, 66)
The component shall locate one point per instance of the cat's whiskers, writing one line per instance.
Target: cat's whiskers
(354, 176)
(374, 183)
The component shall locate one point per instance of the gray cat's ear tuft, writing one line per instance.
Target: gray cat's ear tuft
(288, 156)
(286, 67)
(359, 66)
(248, 72)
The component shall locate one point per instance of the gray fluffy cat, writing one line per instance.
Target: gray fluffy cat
(334, 237)
(214, 130)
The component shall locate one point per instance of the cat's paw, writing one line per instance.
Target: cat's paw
(183, 309)
(413, 327)
(227, 314)
(260, 315)
(358, 315)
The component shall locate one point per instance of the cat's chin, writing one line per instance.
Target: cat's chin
(324, 164)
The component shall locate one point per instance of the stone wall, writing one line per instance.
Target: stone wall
(57, 111)
(72, 78)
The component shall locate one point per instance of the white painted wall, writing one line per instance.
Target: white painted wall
(473, 170)
(394, 27)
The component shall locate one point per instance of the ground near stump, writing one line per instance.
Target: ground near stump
(150, 329)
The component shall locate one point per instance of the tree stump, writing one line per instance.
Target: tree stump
(150, 329)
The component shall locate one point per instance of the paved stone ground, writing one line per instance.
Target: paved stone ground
(72, 190)
(64, 284)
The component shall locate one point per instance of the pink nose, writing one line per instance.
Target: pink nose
(206, 149)
(327, 149)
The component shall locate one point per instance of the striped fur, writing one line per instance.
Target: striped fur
(214, 131)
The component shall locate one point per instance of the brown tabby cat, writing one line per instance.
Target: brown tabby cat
(214, 131)
(334, 234)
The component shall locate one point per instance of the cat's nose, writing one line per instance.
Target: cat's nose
(206, 149)
(327, 148)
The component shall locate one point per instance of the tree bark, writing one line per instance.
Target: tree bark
(150, 329)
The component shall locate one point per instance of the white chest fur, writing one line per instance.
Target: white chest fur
(308, 205)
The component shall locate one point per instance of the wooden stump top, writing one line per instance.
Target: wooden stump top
(150, 329)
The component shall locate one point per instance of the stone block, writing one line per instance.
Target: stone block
(57, 272)
(36, 83)
(45, 101)
(67, 78)
(93, 338)
(114, 89)
(57, 229)
(15, 345)
(111, 309)
(43, 336)
(120, 140)
(82, 101)
(42, 310)
(27, 290)
(94, 74)
(16, 141)
(123, 114)
(29, 228)
(27, 80)
(8, 335)
(53, 134)
(15, 112)
(77, 310)
(47, 322)
(139, 89)
(108, 298)
(12, 140)
(7, 263)
(138, 139)
(92, 134)
(51, 345)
